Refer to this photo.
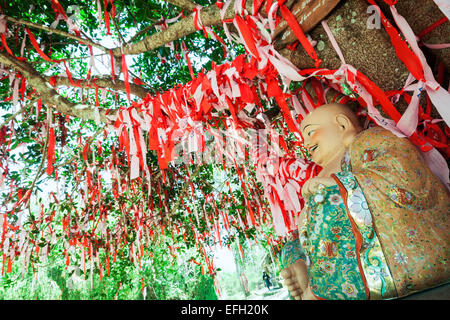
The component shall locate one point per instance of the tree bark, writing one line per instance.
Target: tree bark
(107, 83)
(420, 15)
(210, 16)
(56, 31)
(368, 50)
(49, 95)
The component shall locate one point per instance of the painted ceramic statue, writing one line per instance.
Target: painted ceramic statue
(377, 221)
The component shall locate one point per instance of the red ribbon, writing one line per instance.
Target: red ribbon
(257, 5)
(219, 4)
(69, 75)
(107, 23)
(197, 27)
(51, 151)
(379, 94)
(268, 6)
(294, 25)
(430, 28)
(58, 9)
(273, 90)
(36, 46)
(186, 51)
(318, 89)
(247, 36)
(402, 50)
(6, 45)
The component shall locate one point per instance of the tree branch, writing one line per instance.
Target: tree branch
(44, 152)
(12, 117)
(49, 95)
(308, 13)
(119, 85)
(122, 40)
(144, 30)
(210, 16)
(56, 31)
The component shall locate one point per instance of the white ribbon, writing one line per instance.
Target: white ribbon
(444, 6)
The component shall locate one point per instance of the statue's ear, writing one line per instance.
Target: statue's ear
(343, 122)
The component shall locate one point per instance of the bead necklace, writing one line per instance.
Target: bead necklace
(303, 230)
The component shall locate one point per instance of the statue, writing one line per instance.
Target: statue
(376, 220)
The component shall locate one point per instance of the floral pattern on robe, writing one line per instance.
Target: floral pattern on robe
(292, 251)
(371, 260)
(331, 250)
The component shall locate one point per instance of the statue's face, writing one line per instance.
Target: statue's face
(322, 137)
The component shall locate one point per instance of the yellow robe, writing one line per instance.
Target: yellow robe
(409, 206)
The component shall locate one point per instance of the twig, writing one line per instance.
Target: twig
(49, 95)
(107, 82)
(122, 40)
(181, 194)
(73, 58)
(89, 141)
(144, 30)
(12, 117)
(41, 165)
(210, 16)
(56, 31)
(131, 14)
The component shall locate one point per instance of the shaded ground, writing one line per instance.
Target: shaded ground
(438, 293)
(277, 293)
(280, 293)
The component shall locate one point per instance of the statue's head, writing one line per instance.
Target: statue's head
(328, 130)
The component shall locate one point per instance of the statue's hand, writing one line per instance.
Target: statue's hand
(310, 187)
(291, 282)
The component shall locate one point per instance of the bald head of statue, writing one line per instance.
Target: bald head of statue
(327, 131)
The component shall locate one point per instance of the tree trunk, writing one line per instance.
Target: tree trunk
(420, 15)
(368, 50)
